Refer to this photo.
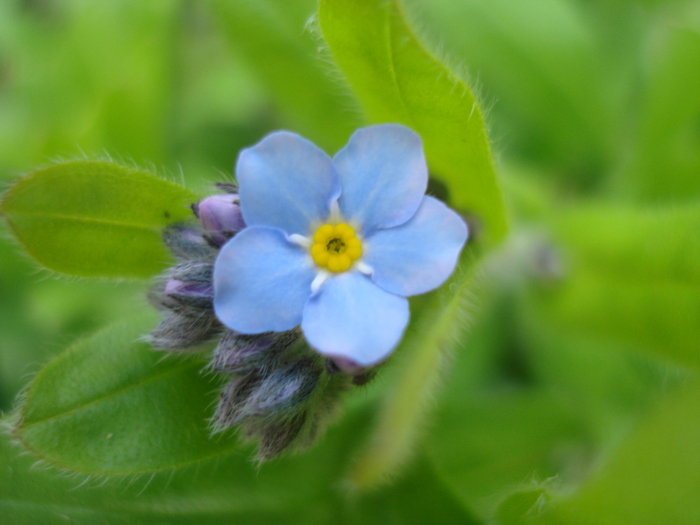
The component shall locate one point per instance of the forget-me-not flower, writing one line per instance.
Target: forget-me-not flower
(335, 245)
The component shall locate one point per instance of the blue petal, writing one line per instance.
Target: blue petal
(261, 281)
(384, 176)
(419, 255)
(286, 182)
(351, 317)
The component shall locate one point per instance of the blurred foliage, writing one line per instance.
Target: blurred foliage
(567, 362)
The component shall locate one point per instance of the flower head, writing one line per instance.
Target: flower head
(335, 245)
(278, 391)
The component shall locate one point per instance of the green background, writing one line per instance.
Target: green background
(553, 381)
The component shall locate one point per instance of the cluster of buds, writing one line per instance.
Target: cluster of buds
(280, 392)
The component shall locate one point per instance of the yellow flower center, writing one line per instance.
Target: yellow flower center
(336, 247)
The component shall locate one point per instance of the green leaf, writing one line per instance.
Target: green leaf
(303, 489)
(112, 405)
(397, 80)
(538, 61)
(652, 317)
(114, 86)
(653, 477)
(485, 445)
(643, 244)
(521, 506)
(666, 160)
(228, 488)
(599, 377)
(225, 489)
(418, 497)
(274, 38)
(423, 354)
(96, 219)
(630, 277)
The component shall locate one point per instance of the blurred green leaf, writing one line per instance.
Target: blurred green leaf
(85, 77)
(279, 46)
(112, 405)
(423, 353)
(397, 80)
(666, 157)
(36, 317)
(654, 317)
(603, 382)
(486, 446)
(653, 477)
(417, 497)
(645, 244)
(630, 276)
(521, 506)
(538, 62)
(96, 219)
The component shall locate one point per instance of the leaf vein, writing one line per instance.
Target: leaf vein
(174, 369)
(98, 220)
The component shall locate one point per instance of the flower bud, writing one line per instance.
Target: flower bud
(277, 437)
(221, 217)
(232, 400)
(188, 299)
(196, 272)
(237, 353)
(187, 243)
(285, 388)
(190, 293)
(177, 332)
(187, 290)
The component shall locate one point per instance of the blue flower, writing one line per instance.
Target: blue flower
(335, 245)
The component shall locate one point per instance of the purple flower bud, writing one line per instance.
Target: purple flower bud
(189, 298)
(221, 217)
(186, 291)
(175, 287)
